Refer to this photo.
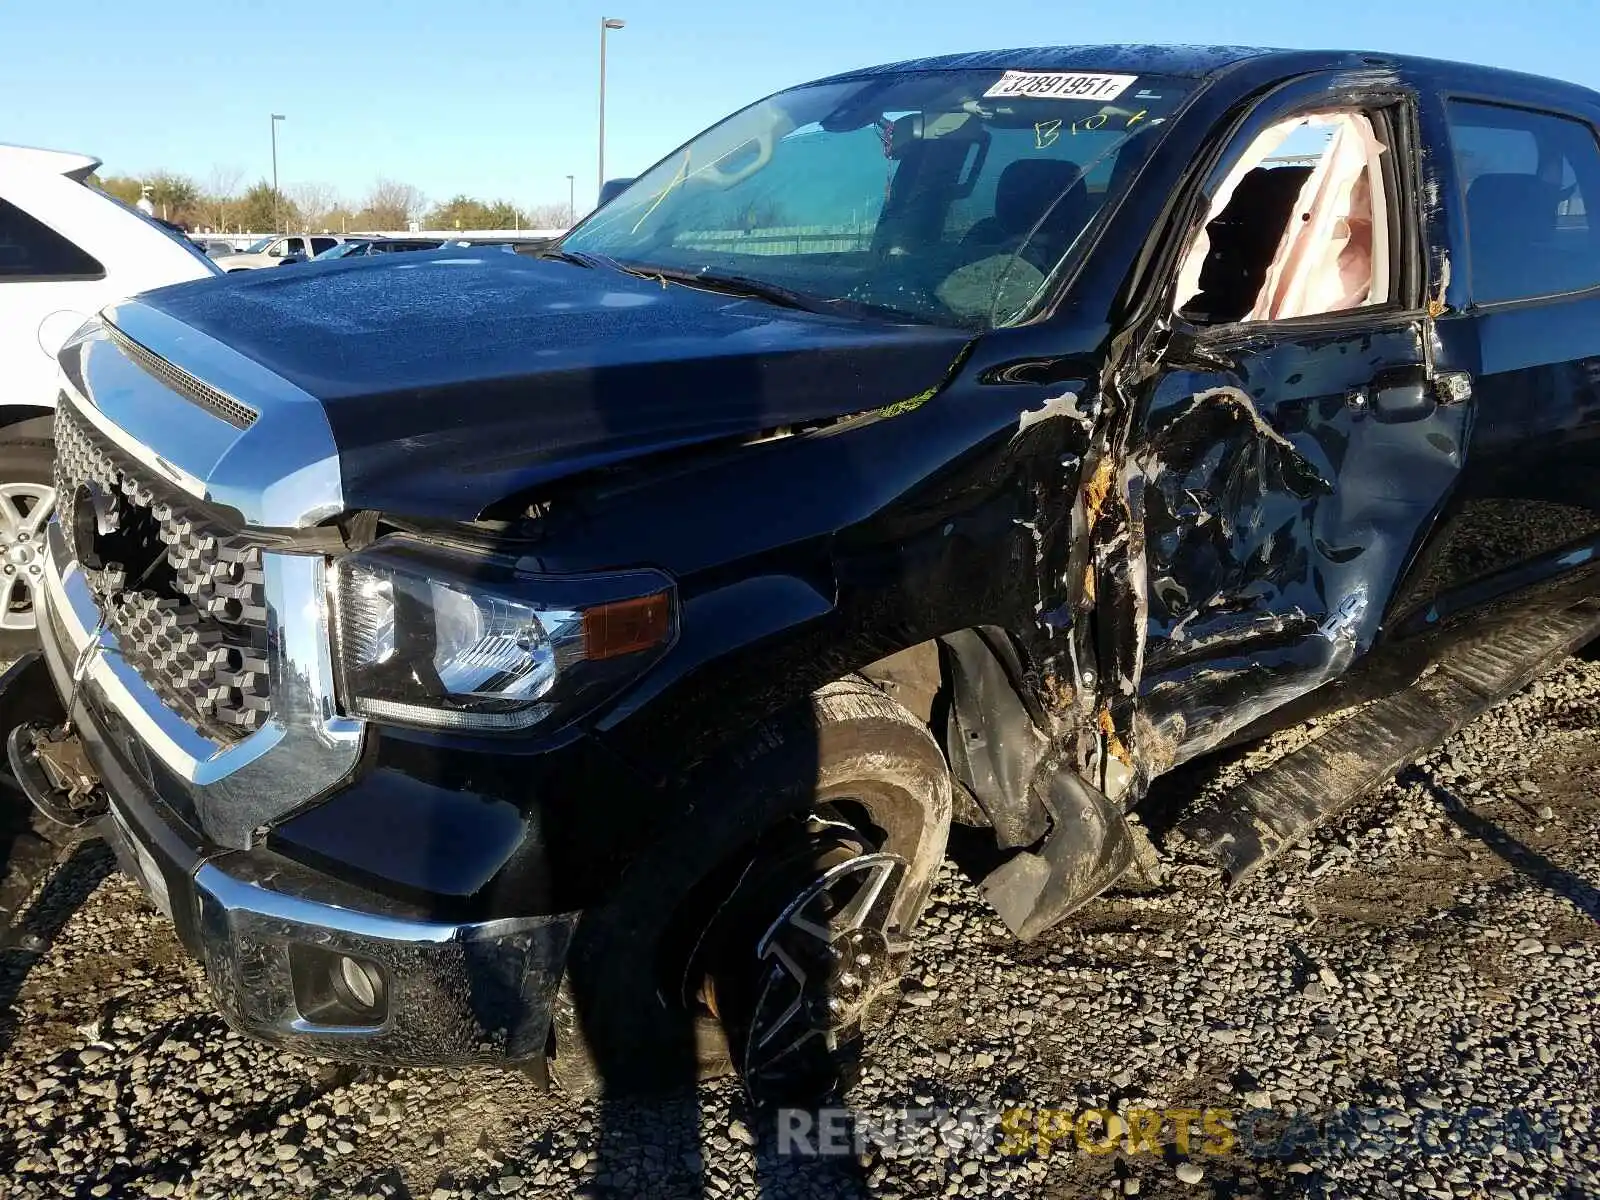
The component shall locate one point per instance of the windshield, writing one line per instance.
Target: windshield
(258, 247)
(937, 196)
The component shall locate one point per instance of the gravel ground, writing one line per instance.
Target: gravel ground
(1424, 974)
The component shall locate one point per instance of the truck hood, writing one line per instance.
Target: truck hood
(452, 380)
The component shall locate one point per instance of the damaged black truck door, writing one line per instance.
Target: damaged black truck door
(1294, 437)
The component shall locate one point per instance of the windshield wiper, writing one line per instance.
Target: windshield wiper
(732, 285)
(729, 285)
(583, 258)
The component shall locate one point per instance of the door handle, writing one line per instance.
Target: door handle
(1397, 401)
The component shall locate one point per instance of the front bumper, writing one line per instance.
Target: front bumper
(271, 932)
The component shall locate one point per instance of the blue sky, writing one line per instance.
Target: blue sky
(497, 98)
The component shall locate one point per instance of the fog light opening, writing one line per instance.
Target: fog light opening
(338, 990)
(358, 984)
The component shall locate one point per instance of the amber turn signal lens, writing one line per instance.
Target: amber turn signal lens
(626, 626)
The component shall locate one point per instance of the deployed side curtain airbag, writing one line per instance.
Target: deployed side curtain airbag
(1334, 253)
(1258, 152)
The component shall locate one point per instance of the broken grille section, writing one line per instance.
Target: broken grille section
(186, 601)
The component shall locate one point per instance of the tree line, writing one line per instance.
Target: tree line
(219, 205)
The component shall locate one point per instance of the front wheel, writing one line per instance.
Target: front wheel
(27, 498)
(802, 963)
(767, 932)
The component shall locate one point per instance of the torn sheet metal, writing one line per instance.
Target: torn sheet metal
(1062, 407)
(1277, 807)
(1276, 515)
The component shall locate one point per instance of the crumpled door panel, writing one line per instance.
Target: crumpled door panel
(1279, 511)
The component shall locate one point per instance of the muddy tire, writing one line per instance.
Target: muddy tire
(27, 497)
(664, 980)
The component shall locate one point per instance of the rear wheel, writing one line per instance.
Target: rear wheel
(27, 498)
(768, 934)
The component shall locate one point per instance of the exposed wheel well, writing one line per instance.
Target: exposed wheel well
(966, 687)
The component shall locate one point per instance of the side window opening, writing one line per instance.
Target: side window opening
(1526, 178)
(1299, 227)
(31, 250)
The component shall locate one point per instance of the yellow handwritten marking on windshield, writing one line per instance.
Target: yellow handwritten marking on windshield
(681, 174)
(1047, 133)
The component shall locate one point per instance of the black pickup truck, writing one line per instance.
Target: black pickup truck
(579, 659)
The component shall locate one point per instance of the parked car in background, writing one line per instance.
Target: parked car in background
(368, 247)
(66, 251)
(213, 247)
(579, 659)
(272, 251)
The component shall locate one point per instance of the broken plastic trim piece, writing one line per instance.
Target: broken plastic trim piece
(993, 741)
(54, 772)
(1089, 848)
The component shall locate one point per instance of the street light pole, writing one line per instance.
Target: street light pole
(277, 223)
(572, 203)
(606, 23)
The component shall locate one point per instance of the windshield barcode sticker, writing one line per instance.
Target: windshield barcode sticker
(1060, 85)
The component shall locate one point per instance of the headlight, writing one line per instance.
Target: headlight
(450, 640)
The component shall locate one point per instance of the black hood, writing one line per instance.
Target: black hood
(454, 379)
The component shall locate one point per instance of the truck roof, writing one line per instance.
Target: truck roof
(1191, 61)
(1199, 62)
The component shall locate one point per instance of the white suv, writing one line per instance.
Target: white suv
(66, 251)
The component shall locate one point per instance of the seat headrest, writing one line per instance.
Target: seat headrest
(1273, 188)
(1029, 186)
(1520, 208)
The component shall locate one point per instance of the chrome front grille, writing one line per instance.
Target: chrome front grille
(186, 600)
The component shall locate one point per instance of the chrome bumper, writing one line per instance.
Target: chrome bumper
(268, 932)
(268, 929)
(453, 993)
